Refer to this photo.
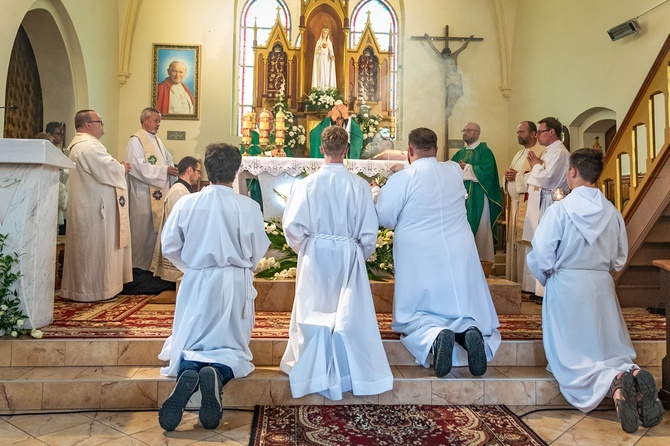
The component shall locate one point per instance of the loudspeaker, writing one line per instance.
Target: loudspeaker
(623, 30)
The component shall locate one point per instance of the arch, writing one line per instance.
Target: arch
(58, 53)
(595, 121)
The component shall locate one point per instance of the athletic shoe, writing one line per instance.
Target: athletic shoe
(210, 390)
(169, 415)
(443, 348)
(651, 408)
(474, 345)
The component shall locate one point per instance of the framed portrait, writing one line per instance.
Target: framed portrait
(176, 81)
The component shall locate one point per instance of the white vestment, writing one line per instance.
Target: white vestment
(542, 180)
(94, 267)
(518, 249)
(334, 343)
(323, 68)
(180, 101)
(579, 241)
(142, 175)
(439, 282)
(161, 266)
(216, 237)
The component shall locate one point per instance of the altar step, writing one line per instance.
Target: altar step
(74, 374)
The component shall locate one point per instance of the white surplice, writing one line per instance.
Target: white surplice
(216, 237)
(94, 267)
(143, 175)
(439, 282)
(578, 242)
(334, 342)
(517, 249)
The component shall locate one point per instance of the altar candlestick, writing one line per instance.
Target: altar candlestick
(264, 128)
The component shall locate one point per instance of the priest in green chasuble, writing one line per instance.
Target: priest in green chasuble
(484, 202)
(338, 115)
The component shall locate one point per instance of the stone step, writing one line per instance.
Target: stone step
(50, 389)
(267, 352)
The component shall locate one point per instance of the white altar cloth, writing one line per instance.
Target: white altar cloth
(280, 174)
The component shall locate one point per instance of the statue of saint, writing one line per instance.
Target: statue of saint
(323, 71)
(454, 82)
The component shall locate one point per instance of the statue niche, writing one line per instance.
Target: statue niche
(368, 73)
(277, 72)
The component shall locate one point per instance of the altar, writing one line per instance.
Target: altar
(278, 176)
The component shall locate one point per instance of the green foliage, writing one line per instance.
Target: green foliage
(11, 316)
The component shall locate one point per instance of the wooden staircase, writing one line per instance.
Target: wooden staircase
(636, 178)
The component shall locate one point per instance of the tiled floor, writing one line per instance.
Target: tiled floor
(556, 427)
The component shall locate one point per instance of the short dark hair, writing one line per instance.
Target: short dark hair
(334, 140)
(52, 126)
(82, 117)
(222, 162)
(588, 162)
(531, 126)
(422, 139)
(553, 123)
(186, 162)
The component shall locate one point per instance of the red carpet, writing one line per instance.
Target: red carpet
(131, 317)
(405, 425)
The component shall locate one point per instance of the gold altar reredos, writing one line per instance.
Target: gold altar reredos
(278, 63)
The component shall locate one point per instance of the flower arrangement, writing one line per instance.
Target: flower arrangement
(295, 133)
(321, 100)
(379, 265)
(11, 316)
(368, 123)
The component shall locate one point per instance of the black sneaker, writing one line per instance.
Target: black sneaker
(650, 407)
(169, 415)
(210, 406)
(474, 345)
(443, 348)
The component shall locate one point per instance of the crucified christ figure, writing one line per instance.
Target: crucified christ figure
(454, 83)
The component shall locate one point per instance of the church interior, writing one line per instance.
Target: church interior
(601, 67)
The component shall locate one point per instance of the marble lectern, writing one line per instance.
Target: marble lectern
(29, 174)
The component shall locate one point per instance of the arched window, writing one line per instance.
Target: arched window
(385, 26)
(263, 14)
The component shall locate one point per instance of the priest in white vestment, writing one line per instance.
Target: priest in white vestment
(216, 237)
(580, 241)
(189, 175)
(517, 193)
(97, 260)
(546, 178)
(441, 294)
(334, 342)
(148, 184)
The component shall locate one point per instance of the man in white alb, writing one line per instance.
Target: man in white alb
(517, 191)
(148, 183)
(441, 296)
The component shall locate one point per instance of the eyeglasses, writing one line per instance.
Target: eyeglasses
(100, 122)
(545, 130)
(198, 170)
(468, 130)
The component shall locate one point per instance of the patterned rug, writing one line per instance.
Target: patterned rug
(140, 317)
(389, 426)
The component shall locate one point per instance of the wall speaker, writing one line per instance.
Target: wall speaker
(623, 30)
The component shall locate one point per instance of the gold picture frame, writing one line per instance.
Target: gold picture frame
(175, 88)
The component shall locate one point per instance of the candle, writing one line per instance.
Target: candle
(280, 128)
(264, 128)
(247, 125)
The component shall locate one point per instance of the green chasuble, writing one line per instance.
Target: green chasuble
(355, 139)
(253, 186)
(484, 166)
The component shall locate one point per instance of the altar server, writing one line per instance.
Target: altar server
(216, 237)
(334, 343)
(579, 242)
(441, 296)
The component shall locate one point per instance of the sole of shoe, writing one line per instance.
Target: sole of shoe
(652, 408)
(444, 348)
(627, 407)
(210, 406)
(474, 344)
(170, 413)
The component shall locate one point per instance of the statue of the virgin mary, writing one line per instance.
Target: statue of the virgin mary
(323, 71)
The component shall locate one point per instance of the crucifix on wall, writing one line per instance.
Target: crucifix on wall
(453, 80)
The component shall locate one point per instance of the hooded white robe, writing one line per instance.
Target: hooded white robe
(439, 282)
(143, 175)
(94, 267)
(216, 237)
(578, 243)
(334, 342)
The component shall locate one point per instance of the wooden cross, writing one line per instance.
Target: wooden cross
(446, 39)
